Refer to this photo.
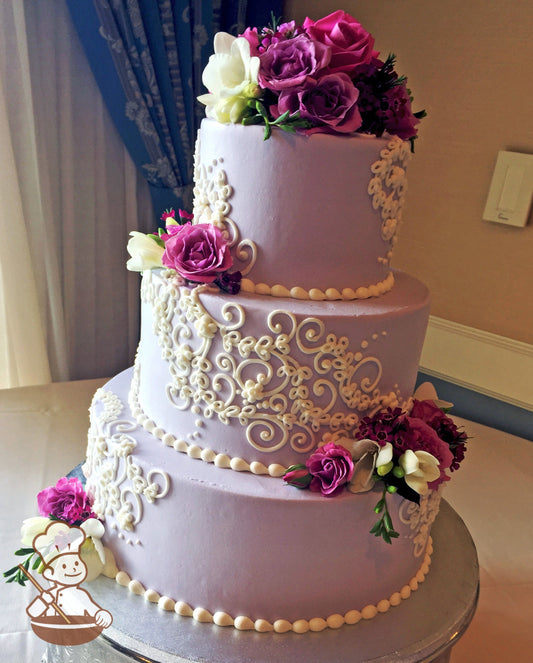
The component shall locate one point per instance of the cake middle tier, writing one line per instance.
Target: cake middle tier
(261, 382)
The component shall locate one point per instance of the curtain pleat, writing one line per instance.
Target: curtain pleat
(79, 196)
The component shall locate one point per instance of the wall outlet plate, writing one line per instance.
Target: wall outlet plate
(511, 189)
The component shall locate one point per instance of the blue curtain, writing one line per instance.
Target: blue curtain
(147, 57)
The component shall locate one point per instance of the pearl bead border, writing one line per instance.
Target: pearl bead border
(316, 294)
(300, 626)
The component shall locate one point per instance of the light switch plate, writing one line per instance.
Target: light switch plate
(511, 189)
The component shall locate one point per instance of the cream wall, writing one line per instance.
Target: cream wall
(469, 66)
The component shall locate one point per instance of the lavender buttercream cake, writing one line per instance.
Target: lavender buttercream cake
(265, 464)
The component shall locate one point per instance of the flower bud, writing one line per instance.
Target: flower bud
(297, 476)
(382, 470)
(252, 91)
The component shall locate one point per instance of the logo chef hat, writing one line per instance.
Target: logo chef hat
(59, 538)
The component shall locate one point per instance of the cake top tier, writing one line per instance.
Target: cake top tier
(321, 76)
(312, 212)
(307, 217)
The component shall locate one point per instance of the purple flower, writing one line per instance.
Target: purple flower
(197, 252)
(66, 501)
(399, 118)
(382, 427)
(261, 40)
(330, 103)
(351, 45)
(288, 63)
(230, 283)
(331, 467)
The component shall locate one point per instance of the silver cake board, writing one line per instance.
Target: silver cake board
(423, 628)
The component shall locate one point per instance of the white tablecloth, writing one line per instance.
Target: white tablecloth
(43, 432)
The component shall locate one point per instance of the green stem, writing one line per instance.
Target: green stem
(383, 526)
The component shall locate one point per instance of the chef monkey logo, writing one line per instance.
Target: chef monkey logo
(64, 613)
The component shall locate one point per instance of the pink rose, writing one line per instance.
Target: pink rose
(331, 467)
(66, 501)
(288, 63)
(330, 103)
(197, 252)
(351, 45)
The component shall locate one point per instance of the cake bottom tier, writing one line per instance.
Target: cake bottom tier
(239, 549)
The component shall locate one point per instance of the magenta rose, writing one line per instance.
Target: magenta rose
(331, 467)
(197, 252)
(399, 118)
(67, 501)
(330, 103)
(351, 45)
(288, 63)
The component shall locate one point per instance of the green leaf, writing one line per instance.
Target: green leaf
(11, 571)
(376, 529)
(22, 552)
(384, 527)
(281, 119)
(252, 119)
(289, 128)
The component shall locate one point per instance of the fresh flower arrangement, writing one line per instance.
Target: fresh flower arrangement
(409, 452)
(198, 252)
(68, 502)
(321, 76)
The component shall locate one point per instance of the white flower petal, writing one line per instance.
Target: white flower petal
(408, 462)
(145, 252)
(31, 527)
(223, 42)
(417, 484)
(384, 455)
(420, 468)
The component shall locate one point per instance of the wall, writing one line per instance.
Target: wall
(468, 65)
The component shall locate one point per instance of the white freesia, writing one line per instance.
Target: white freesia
(94, 529)
(231, 78)
(145, 252)
(31, 527)
(420, 467)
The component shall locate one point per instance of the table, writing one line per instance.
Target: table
(43, 435)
